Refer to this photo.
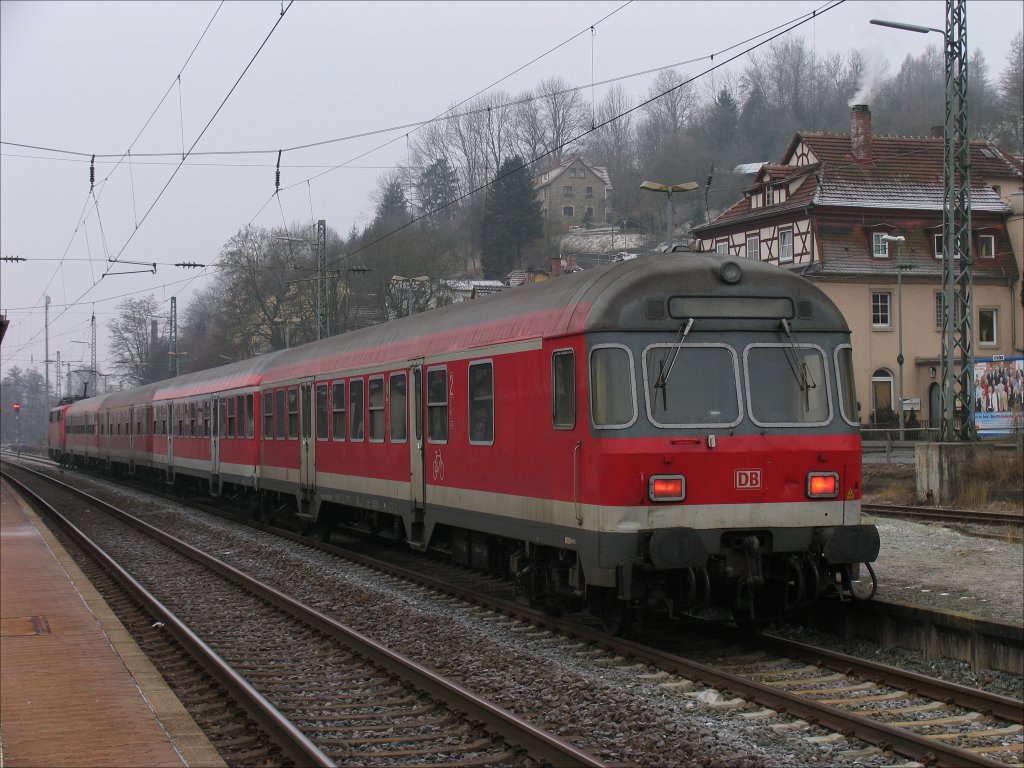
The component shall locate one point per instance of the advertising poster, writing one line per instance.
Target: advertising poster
(998, 395)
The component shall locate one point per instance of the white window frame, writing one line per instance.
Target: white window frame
(992, 246)
(879, 247)
(878, 309)
(755, 252)
(722, 247)
(994, 311)
(783, 258)
(937, 246)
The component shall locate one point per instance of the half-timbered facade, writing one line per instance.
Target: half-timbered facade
(826, 210)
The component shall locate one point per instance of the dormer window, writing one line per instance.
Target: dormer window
(880, 249)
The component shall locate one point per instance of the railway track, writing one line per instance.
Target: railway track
(325, 693)
(1007, 524)
(759, 679)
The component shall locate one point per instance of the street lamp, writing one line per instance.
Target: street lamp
(899, 240)
(668, 189)
(409, 281)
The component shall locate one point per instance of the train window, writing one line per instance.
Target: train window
(563, 389)
(847, 392)
(250, 415)
(437, 405)
(267, 405)
(398, 408)
(338, 410)
(787, 385)
(206, 418)
(231, 417)
(355, 409)
(223, 411)
(321, 412)
(376, 405)
(163, 420)
(689, 385)
(192, 420)
(240, 416)
(612, 393)
(418, 390)
(280, 424)
(293, 413)
(481, 403)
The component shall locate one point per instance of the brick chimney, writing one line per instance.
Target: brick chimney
(860, 131)
(556, 266)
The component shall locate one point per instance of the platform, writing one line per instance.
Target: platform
(75, 689)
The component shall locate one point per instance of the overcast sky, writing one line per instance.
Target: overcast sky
(85, 77)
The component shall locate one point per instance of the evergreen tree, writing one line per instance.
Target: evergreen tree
(437, 190)
(511, 220)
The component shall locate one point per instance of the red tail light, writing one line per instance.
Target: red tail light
(822, 485)
(666, 488)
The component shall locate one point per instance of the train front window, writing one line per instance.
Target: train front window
(787, 385)
(703, 389)
(612, 396)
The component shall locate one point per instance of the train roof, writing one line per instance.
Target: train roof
(609, 297)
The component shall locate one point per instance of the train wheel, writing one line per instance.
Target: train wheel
(374, 523)
(617, 616)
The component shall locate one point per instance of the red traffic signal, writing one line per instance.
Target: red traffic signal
(17, 406)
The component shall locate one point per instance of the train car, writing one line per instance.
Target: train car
(83, 443)
(655, 434)
(56, 432)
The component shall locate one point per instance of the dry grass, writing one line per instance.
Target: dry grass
(987, 471)
(901, 493)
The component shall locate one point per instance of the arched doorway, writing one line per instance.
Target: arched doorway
(881, 396)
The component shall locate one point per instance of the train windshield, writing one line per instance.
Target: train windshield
(703, 390)
(787, 385)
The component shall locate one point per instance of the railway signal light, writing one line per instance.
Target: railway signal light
(17, 407)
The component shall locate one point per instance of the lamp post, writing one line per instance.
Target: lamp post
(957, 260)
(668, 189)
(899, 240)
(409, 281)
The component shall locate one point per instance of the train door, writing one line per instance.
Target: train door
(417, 460)
(307, 446)
(131, 439)
(215, 416)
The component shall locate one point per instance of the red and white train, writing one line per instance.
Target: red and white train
(655, 433)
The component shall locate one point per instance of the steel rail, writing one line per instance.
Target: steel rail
(292, 741)
(535, 740)
(953, 515)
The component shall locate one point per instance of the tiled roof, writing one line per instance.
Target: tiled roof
(801, 197)
(903, 172)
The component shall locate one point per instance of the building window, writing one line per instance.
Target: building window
(567, 190)
(987, 246)
(988, 327)
(880, 248)
(567, 211)
(590, 191)
(754, 247)
(786, 245)
(938, 246)
(481, 403)
(590, 213)
(722, 246)
(881, 310)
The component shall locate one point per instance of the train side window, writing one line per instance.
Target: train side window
(481, 403)
(240, 416)
(563, 389)
(375, 402)
(437, 405)
(163, 420)
(847, 391)
(355, 409)
(250, 415)
(222, 408)
(192, 419)
(418, 401)
(268, 414)
(398, 408)
(280, 424)
(206, 418)
(321, 412)
(293, 413)
(612, 392)
(338, 410)
(231, 417)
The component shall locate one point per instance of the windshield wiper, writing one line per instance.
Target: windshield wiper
(799, 366)
(662, 381)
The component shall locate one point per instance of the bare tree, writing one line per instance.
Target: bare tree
(134, 356)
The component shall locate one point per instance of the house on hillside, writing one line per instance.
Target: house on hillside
(824, 210)
(574, 193)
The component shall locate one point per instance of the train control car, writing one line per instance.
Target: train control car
(655, 434)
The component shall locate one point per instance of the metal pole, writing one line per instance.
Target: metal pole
(46, 364)
(669, 239)
(899, 319)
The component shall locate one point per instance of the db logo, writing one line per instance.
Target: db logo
(748, 479)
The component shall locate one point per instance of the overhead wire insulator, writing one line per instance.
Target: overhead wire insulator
(92, 173)
(189, 264)
(277, 173)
